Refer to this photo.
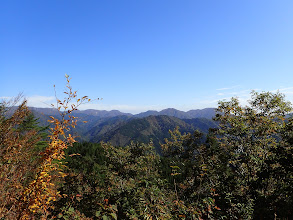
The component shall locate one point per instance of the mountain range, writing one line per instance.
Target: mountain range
(121, 128)
(198, 113)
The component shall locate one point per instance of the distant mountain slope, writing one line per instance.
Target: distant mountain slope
(143, 130)
(104, 126)
(198, 113)
(102, 113)
(202, 113)
(202, 124)
(120, 129)
(91, 112)
(155, 128)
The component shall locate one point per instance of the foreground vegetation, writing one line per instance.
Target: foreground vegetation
(243, 170)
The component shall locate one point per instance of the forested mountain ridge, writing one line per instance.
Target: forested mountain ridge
(197, 113)
(143, 130)
(120, 129)
(243, 169)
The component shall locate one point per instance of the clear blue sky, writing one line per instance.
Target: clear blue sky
(146, 54)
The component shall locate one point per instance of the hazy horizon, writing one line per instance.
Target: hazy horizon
(134, 113)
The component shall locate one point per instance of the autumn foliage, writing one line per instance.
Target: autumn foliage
(30, 179)
(18, 165)
(240, 170)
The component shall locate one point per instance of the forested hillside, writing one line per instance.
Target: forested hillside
(121, 129)
(152, 128)
(242, 168)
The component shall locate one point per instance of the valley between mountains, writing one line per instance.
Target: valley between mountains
(120, 129)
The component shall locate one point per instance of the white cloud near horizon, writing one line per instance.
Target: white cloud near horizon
(34, 101)
(285, 91)
(200, 103)
(40, 101)
(46, 101)
(244, 95)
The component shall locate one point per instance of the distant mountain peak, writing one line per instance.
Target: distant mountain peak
(197, 113)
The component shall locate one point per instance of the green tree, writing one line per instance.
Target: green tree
(32, 123)
(191, 173)
(115, 182)
(251, 140)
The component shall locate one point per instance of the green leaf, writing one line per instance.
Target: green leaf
(71, 210)
(114, 215)
(98, 213)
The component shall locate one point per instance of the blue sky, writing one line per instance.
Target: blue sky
(146, 54)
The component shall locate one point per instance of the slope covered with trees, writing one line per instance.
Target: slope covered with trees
(242, 170)
(144, 130)
(121, 129)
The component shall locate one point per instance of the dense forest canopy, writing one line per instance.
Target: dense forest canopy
(242, 169)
